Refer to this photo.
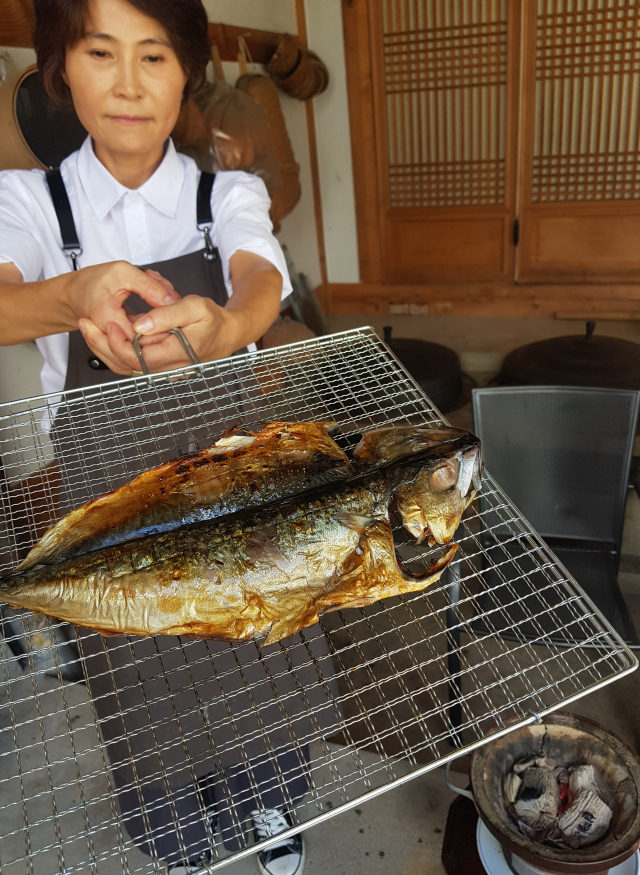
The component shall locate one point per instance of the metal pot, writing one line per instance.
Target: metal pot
(435, 368)
(574, 360)
(568, 740)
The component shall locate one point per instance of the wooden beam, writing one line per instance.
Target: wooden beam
(314, 162)
(356, 22)
(488, 299)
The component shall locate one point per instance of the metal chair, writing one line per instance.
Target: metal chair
(563, 455)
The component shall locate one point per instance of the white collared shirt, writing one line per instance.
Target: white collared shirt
(154, 223)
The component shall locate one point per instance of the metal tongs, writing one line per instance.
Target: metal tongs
(190, 351)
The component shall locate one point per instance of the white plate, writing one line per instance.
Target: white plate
(493, 860)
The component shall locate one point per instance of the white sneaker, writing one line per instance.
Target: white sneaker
(284, 858)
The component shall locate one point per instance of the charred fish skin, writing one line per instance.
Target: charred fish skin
(238, 471)
(264, 572)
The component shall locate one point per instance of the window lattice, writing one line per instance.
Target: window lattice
(445, 67)
(586, 129)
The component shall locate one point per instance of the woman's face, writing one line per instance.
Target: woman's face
(125, 80)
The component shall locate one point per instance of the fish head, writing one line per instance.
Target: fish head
(431, 497)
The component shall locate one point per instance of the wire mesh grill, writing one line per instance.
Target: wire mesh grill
(170, 743)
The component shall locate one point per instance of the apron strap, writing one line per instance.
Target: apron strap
(205, 187)
(204, 215)
(70, 243)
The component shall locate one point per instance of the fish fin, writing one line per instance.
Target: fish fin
(408, 583)
(354, 602)
(285, 628)
(430, 574)
(378, 572)
(355, 521)
(471, 468)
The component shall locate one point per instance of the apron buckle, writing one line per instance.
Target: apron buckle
(73, 252)
(210, 253)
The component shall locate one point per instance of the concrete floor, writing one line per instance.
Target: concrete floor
(401, 831)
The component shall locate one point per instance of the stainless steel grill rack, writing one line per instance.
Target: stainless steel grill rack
(412, 683)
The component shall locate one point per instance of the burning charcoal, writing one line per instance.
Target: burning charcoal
(538, 799)
(510, 785)
(561, 775)
(566, 797)
(537, 762)
(586, 821)
(583, 778)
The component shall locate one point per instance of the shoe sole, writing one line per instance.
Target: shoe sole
(299, 870)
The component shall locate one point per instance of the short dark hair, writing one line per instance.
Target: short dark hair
(60, 25)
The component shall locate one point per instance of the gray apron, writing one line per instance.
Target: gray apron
(194, 729)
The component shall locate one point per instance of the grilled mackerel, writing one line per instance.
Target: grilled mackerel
(238, 471)
(270, 571)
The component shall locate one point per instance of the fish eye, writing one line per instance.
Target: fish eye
(445, 476)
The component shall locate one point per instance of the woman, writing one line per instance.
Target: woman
(127, 224)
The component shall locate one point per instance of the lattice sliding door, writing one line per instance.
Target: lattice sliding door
(580, 179)
(444, 88)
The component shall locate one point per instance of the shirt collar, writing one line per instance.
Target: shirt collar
(162, 190)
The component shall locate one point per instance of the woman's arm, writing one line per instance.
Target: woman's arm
(30, 310)
(36, 309)
(213, 331)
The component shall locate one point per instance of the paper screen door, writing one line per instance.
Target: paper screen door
(485, 112)
(580, 213)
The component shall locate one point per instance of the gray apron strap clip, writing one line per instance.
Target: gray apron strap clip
(204, 214)
(70, 243)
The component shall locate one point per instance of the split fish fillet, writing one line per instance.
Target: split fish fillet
(238, 471)
(267, 572)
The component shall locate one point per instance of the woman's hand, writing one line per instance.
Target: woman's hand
(94, 295)
(99, 298)
(214, 332)
(99, 293)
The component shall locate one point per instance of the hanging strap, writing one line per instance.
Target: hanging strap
(70, 243)
(203, 212)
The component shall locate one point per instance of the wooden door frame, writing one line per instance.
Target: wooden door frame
(584, 215)
(369, 136)
(357, 38)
